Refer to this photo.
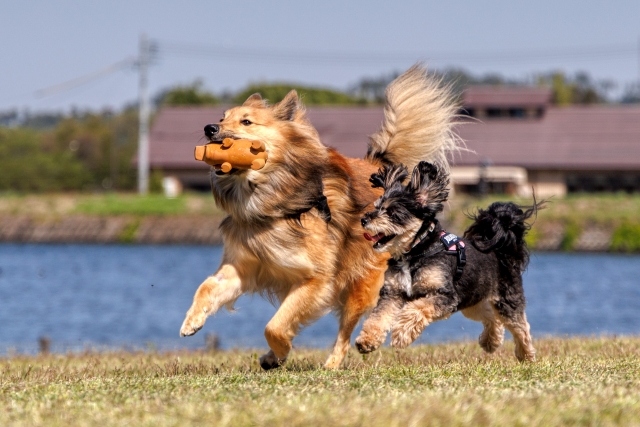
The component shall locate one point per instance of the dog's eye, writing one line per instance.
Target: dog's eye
(245, 122)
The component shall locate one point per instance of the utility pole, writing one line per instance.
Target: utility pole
(143, 133)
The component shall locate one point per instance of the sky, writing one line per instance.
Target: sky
(331, 43)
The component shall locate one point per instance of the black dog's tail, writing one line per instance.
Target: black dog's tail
(501, 229)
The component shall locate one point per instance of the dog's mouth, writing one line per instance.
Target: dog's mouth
(218, 171)
(380, 239)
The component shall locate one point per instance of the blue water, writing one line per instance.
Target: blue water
(136, 296)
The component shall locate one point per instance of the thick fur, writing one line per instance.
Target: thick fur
(419, 284)
(277, 244)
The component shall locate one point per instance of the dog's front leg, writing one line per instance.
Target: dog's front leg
(303, 303)
(417, 315)
(377, 326)
(223, 288)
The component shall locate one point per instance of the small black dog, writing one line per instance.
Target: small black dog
(432, 274)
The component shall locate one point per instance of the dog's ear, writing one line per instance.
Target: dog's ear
(377, 179)
(429, 187)
(388, 176)
(287, 108)
(254, 100)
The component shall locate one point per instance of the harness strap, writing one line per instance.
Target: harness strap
(451, 245)
(455, 246)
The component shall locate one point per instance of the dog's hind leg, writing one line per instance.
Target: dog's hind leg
(517, 324)
(302, 305)
(223, 288)
(492, 336)
(510, 309)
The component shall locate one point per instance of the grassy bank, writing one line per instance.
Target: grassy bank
(578, 222)
(106, 204)
(574, 382)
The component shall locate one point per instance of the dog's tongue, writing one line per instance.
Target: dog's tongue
(373, 238)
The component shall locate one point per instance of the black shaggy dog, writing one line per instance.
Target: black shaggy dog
(432, 273)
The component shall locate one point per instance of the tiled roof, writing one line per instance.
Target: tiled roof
(505, 96)
(591, 137)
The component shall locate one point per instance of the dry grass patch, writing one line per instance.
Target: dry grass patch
(592, 381)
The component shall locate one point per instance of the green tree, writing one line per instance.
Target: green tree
(579, 89)
(26, 164)
(192, 94)
(103, 143)
(309, 95)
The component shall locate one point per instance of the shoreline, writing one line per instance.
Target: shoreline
(549, 236)
(199, 230)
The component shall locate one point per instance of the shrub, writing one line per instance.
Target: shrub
(626, 238)
(571, 233)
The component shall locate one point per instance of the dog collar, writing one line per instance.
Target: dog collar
(420, 237)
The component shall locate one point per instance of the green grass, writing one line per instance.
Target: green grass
(105, 204)
(593, 381)
(626, 238)
(580, 209)
(119, 204)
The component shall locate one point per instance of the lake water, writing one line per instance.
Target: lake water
(110, 296)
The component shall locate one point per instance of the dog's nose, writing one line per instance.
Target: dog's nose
(364, 221)
(211, 130)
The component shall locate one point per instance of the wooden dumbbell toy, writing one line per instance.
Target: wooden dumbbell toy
(233, 154)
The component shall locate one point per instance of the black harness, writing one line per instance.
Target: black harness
(451, 241)
(450, 245)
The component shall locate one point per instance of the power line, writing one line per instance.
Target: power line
(340, 58)
(87, 78)
(357, 58)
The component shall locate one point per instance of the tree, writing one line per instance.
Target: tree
(309, 95)
(580, 89)
(27, 165)
(192, 94)
(631, 94)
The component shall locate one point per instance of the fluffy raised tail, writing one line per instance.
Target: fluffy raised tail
(418, 121)
(501, 229)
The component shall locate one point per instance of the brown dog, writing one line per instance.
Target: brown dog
(275, 240)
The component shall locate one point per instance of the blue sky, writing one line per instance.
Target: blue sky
(45, 43)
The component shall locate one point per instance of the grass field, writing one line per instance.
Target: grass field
(577, 381)
(579, 208)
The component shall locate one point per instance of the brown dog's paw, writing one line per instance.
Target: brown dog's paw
(491, 338)
(270, 361)
(523, 355)
(193, 322)
(366, 343)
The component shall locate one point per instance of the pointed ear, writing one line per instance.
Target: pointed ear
(429, 186)
(254, 100)
(388, 176)
(287, 108)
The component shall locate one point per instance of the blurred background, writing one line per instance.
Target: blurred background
(102, 104)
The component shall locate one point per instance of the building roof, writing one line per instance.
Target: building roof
(176, 132)
(589, 137)
(505, 97)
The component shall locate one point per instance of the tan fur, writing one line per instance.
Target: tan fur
(379, 323)
(412, 319)
(417, 123)
(492, 335)
(520, 330)
(309, 266)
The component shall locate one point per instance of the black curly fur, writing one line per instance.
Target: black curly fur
(423, 195)
(501, 229)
